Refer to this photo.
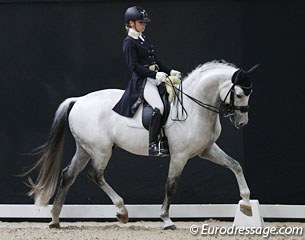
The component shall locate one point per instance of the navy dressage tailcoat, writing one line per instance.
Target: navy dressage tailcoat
(139, 55)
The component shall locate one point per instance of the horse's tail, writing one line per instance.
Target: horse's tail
(50, 162)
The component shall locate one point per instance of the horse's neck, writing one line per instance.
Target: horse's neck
(206, 86)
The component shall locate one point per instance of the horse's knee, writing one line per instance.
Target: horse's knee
(235, 166)
(238, 168)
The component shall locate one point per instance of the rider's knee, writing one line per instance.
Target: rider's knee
(161, 109)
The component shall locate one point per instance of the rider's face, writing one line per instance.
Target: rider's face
(138, 25)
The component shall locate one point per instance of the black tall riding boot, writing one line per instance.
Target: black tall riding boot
(154, 128)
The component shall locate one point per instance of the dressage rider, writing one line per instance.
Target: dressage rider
(147, 73)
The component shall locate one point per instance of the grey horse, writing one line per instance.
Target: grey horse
(97, 129)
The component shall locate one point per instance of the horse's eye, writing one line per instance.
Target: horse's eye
(239, 96)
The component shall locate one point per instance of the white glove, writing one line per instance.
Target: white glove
(175, 73)
(161, 76)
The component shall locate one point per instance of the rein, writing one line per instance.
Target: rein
(227, 109)
(201, 104)
(240, 78)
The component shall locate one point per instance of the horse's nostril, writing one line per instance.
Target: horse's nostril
(241, 124)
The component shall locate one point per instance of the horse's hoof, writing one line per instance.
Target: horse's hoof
(245, 209)
(54, 225)
(171, 227)
(123, 218)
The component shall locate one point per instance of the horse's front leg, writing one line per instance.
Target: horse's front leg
(176, 166)
(216, 155)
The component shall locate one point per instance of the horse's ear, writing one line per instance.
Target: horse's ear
(242, 79)
(237, 76)
(252, 69)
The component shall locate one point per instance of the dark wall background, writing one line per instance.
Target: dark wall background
(51, 50)
(275, 140)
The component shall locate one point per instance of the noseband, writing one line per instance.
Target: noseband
(229, 108)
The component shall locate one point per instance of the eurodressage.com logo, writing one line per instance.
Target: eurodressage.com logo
(265, 232)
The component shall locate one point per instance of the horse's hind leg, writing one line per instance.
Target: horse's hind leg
(216, 155)
(96, 174)
(68, 177)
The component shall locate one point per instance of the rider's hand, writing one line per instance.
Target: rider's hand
(175, 73)
(161, 76)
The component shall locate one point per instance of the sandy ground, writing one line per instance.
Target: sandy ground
(135, 230)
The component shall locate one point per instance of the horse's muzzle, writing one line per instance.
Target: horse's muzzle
(239, 121)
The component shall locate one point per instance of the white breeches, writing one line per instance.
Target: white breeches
(152, 96)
